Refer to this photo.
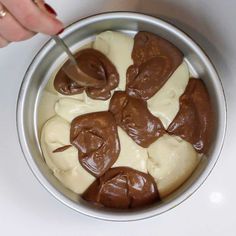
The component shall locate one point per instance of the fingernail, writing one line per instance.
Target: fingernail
(50, 9)
(62, 30)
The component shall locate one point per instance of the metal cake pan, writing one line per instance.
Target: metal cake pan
(50, 57)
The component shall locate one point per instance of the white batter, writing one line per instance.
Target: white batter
(165, 103)
(171, 161)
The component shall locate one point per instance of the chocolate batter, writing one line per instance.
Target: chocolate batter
(64, 85)
(194, 121)
(123, 187)
(133, 116)
(96, 138)
(155, 60)
(96, 65)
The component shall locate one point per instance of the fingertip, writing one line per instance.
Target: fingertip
(46, 25)
(61, 31)
(55, 29)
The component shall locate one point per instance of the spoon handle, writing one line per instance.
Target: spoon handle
(65, 48)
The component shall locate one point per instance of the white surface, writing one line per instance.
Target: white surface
(26, 208)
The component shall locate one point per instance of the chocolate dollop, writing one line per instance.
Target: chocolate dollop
(133, 116)
(155, 59)
(194, 121)
(96, 138)
(96, 65)
(64, 85)
(123, 187)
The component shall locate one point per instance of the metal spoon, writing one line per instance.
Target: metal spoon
(73, 71)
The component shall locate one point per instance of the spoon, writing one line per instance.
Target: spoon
(73, 71)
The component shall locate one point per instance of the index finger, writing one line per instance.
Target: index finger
(32, 18)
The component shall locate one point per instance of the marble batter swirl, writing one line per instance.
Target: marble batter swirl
(127, 149)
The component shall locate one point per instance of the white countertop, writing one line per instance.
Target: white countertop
(26, 208)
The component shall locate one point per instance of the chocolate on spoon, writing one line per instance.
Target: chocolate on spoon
(73, 71)
(96, 65)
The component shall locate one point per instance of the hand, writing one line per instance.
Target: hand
(22, 19)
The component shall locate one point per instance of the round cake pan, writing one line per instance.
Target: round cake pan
(50, 57)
